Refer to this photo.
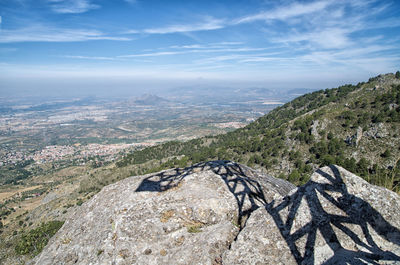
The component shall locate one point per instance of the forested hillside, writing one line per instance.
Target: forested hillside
(354, 126)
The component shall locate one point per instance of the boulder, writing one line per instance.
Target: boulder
(181, 216)
(336, 218)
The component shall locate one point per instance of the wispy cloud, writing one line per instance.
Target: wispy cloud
(241, 58)
(90, 57)
(193, 49)
(301, 39)
(325, 25)
(41, 33)
(208, 23)
(211, 23)
(223, 50)
(312, 35)
(153, 54)
(217, 45)
(350, 55)
(335, 37)
(72, 6)
(285, 12)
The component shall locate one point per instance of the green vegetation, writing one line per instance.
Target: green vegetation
(35, 240)
(5, 211)
(194, 228)
(12, 174)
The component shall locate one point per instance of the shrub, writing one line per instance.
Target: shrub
(294, 176)
(194, 229)
(327, 160)
(79, 202)
(36, 239)
(386, 154)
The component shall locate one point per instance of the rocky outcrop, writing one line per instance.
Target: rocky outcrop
(356, 138)
(316, 126)
(377, 130)
(314, 130)
(336, 218)
(221, 212)
(188, 216)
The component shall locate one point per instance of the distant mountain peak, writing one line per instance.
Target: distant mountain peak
(150, 99)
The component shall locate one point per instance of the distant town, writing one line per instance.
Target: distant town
(53, 153)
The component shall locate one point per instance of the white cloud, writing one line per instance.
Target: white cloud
(150, 54)
(326, 38)
(217, 45)
(72, 6)
(323, 25)
(192, 49)
(90, 57)
(208, 24)
(45, 34)
(286, 12)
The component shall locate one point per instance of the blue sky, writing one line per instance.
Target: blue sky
(52, 45)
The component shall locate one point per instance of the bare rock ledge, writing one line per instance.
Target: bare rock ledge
(221, 212)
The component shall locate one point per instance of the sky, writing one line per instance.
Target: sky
(102, 46)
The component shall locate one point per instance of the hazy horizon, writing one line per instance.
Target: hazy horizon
(76, 48)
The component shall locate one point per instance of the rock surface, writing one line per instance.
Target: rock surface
(378, 130)
(333, 219)
(356, 138)
(221, 212)
(188, 216)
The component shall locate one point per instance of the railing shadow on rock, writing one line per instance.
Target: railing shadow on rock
(239, 184)
(358, 212)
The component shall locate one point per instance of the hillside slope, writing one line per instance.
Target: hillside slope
(356, 127)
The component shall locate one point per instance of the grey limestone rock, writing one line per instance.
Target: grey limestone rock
(356, 138)
(182, 216)
(49, 197)
(318, 125)
(377, 130)
(393, 106)
(336, 218)
(314, 130)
